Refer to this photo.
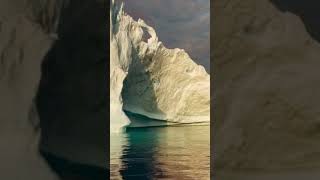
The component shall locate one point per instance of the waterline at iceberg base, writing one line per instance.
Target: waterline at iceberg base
(150, 80)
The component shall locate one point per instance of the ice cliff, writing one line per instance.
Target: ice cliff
(151, 80)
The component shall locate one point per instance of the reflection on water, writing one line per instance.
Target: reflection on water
(175, 152)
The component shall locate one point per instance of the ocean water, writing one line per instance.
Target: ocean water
(167, 152)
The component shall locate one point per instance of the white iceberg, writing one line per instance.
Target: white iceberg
(150, 80)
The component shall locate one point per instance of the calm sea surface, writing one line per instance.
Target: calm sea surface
(171, 152)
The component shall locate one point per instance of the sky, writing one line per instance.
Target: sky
(183, 24)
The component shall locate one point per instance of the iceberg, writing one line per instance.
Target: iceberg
(150, 80)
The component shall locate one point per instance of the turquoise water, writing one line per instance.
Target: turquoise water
(170, 152)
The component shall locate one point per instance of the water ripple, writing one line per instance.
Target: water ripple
(161, 153)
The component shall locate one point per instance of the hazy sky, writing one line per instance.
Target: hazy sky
(181, 24)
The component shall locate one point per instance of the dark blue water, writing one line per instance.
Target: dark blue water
(170, 152)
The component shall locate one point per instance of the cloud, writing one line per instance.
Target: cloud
(179, 24)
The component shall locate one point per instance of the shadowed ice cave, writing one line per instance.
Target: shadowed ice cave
(129, 93)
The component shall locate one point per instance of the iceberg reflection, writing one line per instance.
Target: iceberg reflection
(169, 152)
